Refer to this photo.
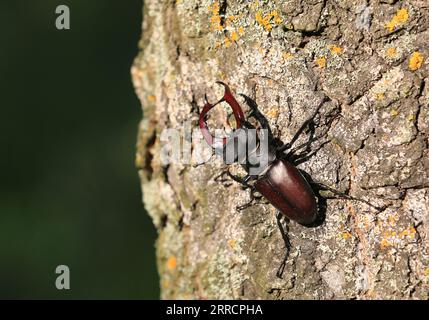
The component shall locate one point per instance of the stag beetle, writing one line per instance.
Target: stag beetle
(279, 181)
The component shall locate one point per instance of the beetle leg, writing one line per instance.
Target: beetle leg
(243, 181)
(248, 204)
(296, 160)
(312, 139)
(303, 126)
(286, 240)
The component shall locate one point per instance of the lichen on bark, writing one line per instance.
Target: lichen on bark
(286, 55)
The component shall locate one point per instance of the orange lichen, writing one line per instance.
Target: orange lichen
(232, 243)
(321, 62)
(410, 232)
(287, 55)
(398, 19)
(241, 30)
(394, 112)
(171, 263)
(416, 61)
(379, 95)
(215, 20)
(346, 235)
(151, 98)
(227, 42)
(234, 36)
(384, 243)
(273, 112)
(265, 21)
(335, 49)
(392, 237)
(214, 8)
(391, 52)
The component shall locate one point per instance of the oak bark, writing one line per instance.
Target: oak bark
(370, 59)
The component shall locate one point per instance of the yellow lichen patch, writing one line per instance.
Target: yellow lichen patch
(273, 112)
(287, 55)
(416, 61)
(227, 42)
(276, 17)
(394, 112)
(411, 117)
(321, 62)
(426, 272)
(265, 21)
(215, 23)
(346, 235)
(214, 8)
(391, 52)
(335, 49)
(410, 232)
(380, 95)
(384, 243)
(392, 237)
(234, 36)
(232, 243)
(398, 19)
(241, 31)
(151, 98)
(215, 20)
(171, 263)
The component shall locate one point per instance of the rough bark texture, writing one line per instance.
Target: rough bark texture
(370, 58)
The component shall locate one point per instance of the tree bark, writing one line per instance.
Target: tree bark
(370, 59)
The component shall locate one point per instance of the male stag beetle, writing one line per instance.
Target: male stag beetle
(279, 181)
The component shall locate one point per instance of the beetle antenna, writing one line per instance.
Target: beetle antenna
(346, 196)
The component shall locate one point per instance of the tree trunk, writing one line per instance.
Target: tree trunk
(370, 59)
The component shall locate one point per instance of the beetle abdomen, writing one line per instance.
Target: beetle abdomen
(285, 187)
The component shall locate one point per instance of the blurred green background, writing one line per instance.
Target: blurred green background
(69, 189)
